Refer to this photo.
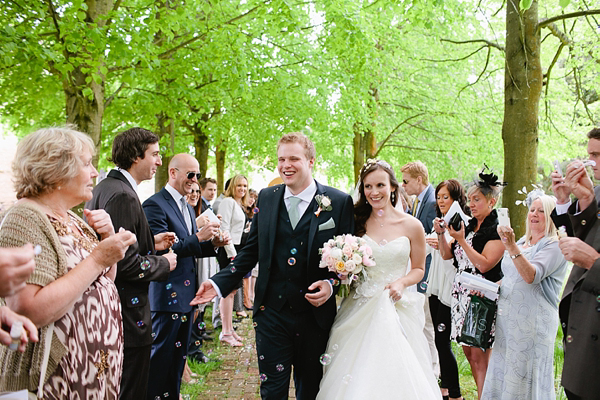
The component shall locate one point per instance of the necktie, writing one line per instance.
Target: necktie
(415, 207)
(293, 211)
(186, 214)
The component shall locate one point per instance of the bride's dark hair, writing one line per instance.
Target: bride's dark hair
(362, 208)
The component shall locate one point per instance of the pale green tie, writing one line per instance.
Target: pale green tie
(293, 211)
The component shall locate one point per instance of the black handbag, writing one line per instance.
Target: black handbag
(478, 322)
(455, 222)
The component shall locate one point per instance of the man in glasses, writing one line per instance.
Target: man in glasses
(136, 154)
(168, 211)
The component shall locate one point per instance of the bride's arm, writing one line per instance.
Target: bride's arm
(417, 262)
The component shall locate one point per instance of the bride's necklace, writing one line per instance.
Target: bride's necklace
(380, 221)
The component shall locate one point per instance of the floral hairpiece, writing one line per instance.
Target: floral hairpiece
(371, 161)
(531, 196)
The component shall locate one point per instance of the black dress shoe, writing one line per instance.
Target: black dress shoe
(205, 336)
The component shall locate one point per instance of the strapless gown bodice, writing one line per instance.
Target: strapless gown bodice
(377, 348)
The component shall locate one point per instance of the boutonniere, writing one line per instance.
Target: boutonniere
(324, 204)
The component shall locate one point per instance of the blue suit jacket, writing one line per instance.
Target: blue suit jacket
(175, 294)
(426, 212)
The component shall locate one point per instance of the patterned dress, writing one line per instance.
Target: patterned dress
(461, 296)
(91, 330)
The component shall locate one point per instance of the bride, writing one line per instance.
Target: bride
(377, 348)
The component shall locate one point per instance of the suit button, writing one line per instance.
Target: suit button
(583, 222)
(564, 325)
(594, 337)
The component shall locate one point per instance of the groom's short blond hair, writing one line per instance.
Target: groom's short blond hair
(303, 140)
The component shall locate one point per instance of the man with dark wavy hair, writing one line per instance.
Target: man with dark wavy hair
(136, 154)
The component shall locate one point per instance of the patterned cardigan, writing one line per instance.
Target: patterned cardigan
(22, 224)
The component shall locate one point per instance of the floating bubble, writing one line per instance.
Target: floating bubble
(309, 121)
(598, 299)
(135, 300)
(178, 344)
(140, 323)
(279, 367)
(383, 242)
(423, 285)
(168, 286)
(175, 301)
(380, 213)
(141, 275)
(173, 295)
(441, 327)
(233, 270)
(255, 210)
(569, 338)
(174, 316)
(262, 377)
(197, 342)
(166, 394)
(261, 357)
(347, 379)
(294, 251)
(334, 347)
(262, 308)
(325, 359)
(254, 324)
(183, 318)
(187, 282)
(144, 265)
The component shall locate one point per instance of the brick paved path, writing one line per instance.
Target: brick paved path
(237, 378)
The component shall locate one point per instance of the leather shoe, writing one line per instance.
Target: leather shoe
(206, 337)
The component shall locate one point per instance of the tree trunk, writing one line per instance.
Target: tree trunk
(220, 161)
(359, 153)
(84, 109)
(201, 143)
(522, 90)
(164, 128)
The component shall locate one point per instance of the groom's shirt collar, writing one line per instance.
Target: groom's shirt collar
(306, 196)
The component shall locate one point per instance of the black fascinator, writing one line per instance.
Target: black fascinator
(488, 182)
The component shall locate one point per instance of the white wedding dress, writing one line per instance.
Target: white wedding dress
(377, 348)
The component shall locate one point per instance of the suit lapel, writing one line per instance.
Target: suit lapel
(423, 202)
(171, 201)
(273, 215)
(314, 220)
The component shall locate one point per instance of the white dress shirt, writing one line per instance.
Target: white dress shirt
(130, 179)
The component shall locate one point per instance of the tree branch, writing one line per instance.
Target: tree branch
(112, 96)
(490, 44)
(381, 144)
(172, 51)
(417, 148)
(554, 60)
(55, 20)
(546, 22)
(455, 59)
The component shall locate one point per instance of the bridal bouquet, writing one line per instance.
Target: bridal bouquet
(347, 256)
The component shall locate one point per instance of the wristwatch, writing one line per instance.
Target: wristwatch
(516, 255)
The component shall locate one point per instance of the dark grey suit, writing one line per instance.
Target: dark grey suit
(135, 271)
(426, 215)
(579, 311)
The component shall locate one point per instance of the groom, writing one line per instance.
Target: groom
(294, 306)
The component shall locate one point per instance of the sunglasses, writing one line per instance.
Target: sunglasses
(190, 175)
(194, 190)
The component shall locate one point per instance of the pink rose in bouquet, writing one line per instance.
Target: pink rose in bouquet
(346, 256)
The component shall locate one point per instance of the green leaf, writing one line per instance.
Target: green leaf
(564, 3)
(81, 15)
(87, 92)
(525, 4)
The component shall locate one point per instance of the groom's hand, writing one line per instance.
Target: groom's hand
(319, 297)
(205, 294)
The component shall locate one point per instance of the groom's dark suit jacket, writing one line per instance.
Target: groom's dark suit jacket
(261, 247)
(579, 308)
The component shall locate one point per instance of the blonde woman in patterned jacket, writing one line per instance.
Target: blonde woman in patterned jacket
(70, 295)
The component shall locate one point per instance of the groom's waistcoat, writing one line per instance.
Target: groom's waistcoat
(288, 275)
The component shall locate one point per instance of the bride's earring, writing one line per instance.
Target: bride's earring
(393, 197)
